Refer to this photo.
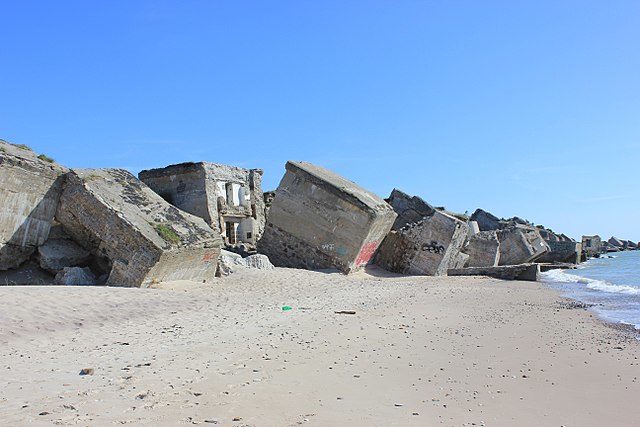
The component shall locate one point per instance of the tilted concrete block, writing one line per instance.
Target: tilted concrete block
(321, 220)
(483, 249)
(29, 192)
(138, 235)
(485, 220)
(520, 245)
(429, 246)
(561, 251)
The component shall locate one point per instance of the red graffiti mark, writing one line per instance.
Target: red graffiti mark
(366, 253)
(209, 256)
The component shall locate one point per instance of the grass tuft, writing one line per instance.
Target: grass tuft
(45, 158)
(167, 233)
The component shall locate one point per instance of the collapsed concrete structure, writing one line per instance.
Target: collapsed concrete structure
(94, 227)
(321, 220)
(424, 240)
(29, 191)
(228, 198)
(614, 241)
(592, 246)
(138, 235)
(483, 249)
(520, 242)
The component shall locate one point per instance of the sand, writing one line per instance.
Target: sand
(419, 351)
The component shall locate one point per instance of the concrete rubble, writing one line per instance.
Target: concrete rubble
(230, 261)
(228, 198)
(320, 220)
(423, 241)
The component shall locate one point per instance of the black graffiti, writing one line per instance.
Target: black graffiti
(433, 247)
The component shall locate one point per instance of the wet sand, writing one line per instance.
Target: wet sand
(418, 351)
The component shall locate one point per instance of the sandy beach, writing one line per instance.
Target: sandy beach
(418, 351)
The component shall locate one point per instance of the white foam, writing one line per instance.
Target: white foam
(593, 284)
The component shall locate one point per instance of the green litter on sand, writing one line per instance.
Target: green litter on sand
(286, 308)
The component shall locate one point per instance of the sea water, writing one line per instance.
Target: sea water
(611, 283)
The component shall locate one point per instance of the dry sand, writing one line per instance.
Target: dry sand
(419, 351)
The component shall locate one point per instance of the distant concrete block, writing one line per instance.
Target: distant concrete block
(525, 272)
(320, 220)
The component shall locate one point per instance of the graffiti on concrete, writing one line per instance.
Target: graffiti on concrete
(433, 247)
(366, 253)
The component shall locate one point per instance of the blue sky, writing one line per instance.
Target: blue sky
(521, 108)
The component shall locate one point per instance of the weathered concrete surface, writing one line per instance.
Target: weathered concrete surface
(56, 254)
(410, 209)
(592, 245)
(29, 192)
(321, 220)
(141, 237)
(520, 244)
(483, 249)
(485, 220)
(74, 276)
(429, 246)
(473, 229)
(561, 251)
(528, 272)
(614, 241)
(228, 198)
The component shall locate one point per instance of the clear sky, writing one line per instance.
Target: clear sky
(521, 108)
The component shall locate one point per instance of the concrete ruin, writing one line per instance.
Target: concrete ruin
(136, 237)
(483, 249)
(525, 272)
(592, 246)
(228, 198)
(423, 241)
(521, 244)
(29, 192)
(615, 242)
(320, 220)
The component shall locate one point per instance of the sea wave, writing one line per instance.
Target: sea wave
(593, 284)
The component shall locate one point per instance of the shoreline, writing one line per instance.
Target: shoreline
(194, 354)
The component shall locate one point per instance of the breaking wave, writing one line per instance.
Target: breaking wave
(593, 284)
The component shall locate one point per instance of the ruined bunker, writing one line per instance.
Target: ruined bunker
(228, 198)
(320, 220)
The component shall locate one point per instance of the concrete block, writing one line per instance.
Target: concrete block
(520, 244)
(321, 220)
(140, 237)
(429, 246)
(525, 272)
(29, 192)
(486, 221)
(562, 252)
(483, 249)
